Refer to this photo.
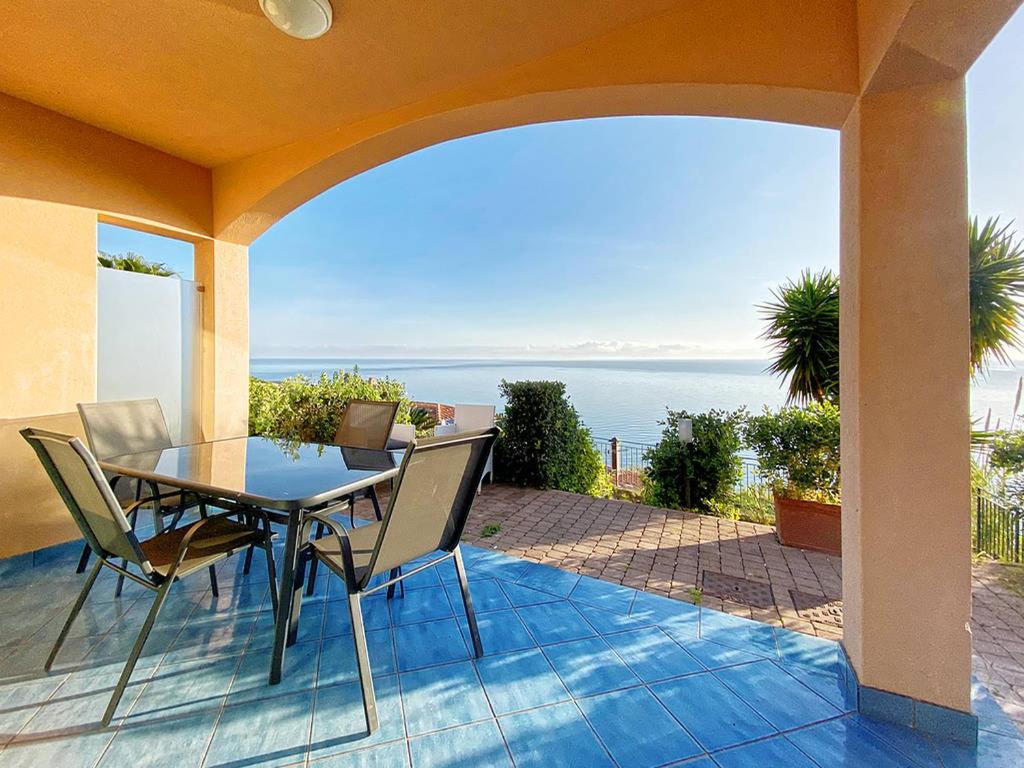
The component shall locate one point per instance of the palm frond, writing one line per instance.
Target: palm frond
(803, 328)
(134, 262)
(997, 286)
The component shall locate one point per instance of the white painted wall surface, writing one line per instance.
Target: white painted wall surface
(149, 331)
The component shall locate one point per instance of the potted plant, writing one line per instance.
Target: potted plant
(798, 452)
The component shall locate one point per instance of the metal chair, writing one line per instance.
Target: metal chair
(364, 424)
(160, 561)
(426, 513)
(469, 418)
(120, 427)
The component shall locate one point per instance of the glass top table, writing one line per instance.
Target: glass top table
(283, 477)
(271, 474)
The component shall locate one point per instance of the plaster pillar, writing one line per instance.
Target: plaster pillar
(904, 391)
(223, 270)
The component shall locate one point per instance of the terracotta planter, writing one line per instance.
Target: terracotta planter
(808, 525)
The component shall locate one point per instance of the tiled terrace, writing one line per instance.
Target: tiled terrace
(665, 552)
(577, 671)
(673, 553)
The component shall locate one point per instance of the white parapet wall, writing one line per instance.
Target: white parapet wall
(149, 332)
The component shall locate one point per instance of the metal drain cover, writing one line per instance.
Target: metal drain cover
(725, 587)
(817, 608)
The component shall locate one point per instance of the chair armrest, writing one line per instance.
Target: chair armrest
(330, 508)
(134, 507)
(344, 544)
(190, 533)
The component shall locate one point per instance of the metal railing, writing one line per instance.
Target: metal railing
(626, 463)
(624, 460)
(997, 528)
(750, 473)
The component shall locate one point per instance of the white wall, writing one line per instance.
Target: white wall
(148, 345)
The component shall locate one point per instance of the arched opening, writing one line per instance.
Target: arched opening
(221, 143)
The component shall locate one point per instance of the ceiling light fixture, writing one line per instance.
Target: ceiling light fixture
(304, 19)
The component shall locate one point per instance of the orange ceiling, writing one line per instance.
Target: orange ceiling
(212, 81)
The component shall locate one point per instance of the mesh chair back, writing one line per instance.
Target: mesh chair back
(366, 424)
(433, 494)
(124, 426)
(87, 494)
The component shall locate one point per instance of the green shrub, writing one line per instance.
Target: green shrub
(423, 420)
(798, 450)
(543, 444)
(752, 504)
(1008, 451)
(133, 262)
(710, 464)
(309, 411)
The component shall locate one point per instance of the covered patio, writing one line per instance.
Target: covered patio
(200, 121)
(732, 566)
(578, 671)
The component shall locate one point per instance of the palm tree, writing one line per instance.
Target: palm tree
(133, 262)
(803, 327)
(803, 318)
(997, 285)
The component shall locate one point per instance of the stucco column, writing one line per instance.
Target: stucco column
(223, 270)
(905, 410)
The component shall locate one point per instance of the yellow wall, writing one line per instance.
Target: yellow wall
(888, 71)
(905, 431)
(57, 178)
(223, 270)
(31, 513)
(784, 60)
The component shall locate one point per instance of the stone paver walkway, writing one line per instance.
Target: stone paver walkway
(662, 551)
(697, 558)
(997, 625)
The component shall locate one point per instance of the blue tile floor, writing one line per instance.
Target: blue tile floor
(577, 672)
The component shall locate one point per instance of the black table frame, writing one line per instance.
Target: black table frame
(288, 512)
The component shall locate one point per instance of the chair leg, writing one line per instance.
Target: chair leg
(213, 570)
(86, 588)
(311, 584)
(318, 533)
(124, 563)
(294, 599)
(84, 559)
(467, 601)
(176, 519)
(376, 503)
(245, 518)
(268, 547)
(213, 582)
(355, 611)
(120, 580)
(133, 657)
(395, 573)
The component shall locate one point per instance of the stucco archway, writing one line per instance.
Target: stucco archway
(297, 174)
(215, 128)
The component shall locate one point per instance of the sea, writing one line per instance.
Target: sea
(615, 398)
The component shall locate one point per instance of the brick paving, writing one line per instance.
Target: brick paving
(669, 552)
(659, 550)
(997, 625)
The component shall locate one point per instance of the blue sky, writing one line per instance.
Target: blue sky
(620, 237)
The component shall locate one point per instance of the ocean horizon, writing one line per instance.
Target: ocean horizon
(622, 398)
